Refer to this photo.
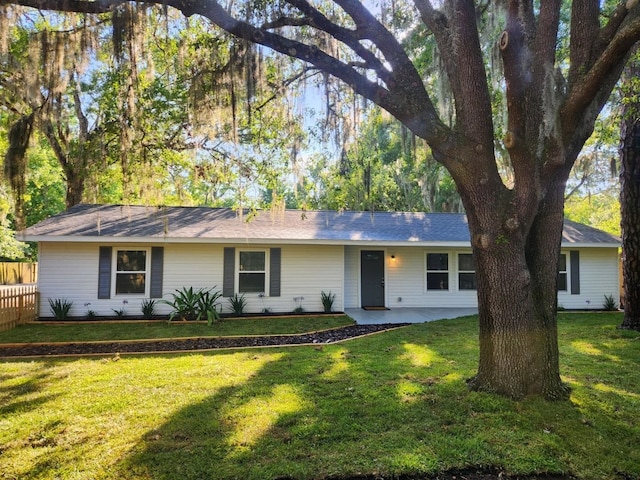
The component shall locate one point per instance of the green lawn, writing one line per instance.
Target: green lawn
(95, 331)
(388, 404)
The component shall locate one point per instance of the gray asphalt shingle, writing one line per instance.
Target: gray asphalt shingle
(214, 224)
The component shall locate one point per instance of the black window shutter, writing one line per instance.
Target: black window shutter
(157, 267)
(228, 272)
(274, 272)
(104, 273)
(574, 259)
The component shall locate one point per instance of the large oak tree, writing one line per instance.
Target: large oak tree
(515, 227)
(630, 193)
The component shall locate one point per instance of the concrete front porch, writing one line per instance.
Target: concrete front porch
(407, 315)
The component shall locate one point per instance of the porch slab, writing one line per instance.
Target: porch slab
(407, 315)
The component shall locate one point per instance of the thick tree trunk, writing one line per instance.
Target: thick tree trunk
(630, 216)
(75, 187)
(517, 300)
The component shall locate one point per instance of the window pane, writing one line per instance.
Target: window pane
(562, 265)
(251, 282)
(562, 281)
(252, 261)
(437, 281)
(437, 261)
(465, 262)
(130, 282)
(132, 260)
(467, 281)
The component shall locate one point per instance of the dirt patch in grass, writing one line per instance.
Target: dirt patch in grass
(190, 344)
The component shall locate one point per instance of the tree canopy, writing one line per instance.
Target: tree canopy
(507, 120)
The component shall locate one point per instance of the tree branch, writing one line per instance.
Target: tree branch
(584, 92)
(585, 24)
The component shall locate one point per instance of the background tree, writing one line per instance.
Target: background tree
(515, 220)
(630, 193)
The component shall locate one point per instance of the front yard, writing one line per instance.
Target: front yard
(389, 404)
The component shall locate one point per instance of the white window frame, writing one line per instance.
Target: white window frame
(460, 271)
(146, 271)
(238, 272)
(565, 272)
(447, 271)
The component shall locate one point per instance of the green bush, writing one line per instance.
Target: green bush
(60, 308)
(148, 307)
(190, 304)
(610, 303)
(237, 303)
(208, 305)
(327, 301)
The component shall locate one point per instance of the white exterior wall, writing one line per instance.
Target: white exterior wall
(70, 271)
(405, 279)
(598, 277)
(352, 277)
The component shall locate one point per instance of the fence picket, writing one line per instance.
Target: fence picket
(18, 305)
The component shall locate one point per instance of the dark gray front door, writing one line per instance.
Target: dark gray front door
(372, 278)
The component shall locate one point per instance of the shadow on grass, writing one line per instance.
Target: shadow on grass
(389, 405)
(18, 393)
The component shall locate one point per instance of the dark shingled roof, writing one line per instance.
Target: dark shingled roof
(204, 224)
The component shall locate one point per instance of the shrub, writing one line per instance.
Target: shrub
(327, 301)
(148, 307)
(184, 304)
(237, 303)
(190, 304)
(609, 303)
(208, 305)
(60, 308)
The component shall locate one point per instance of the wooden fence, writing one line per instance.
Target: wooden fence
(18, 305)
(18, 272)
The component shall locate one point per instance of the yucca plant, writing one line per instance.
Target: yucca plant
(327, 301)
(610, 303)
(60, 308)
(148, 307)
(184, 304)
(237, 303)
(208, 305)
(190, 304)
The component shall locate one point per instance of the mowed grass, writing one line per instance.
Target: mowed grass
(388, 404)
(99, 331)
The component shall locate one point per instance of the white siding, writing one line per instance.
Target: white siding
(351, 277)
(406, 279)
(70, 271)
(598, 277)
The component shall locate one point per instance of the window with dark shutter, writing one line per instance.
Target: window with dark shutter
(274, 272)
(157, 268)
(104, 273)
(574, 265)
(228, 272)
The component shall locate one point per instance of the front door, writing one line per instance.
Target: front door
(372, 278)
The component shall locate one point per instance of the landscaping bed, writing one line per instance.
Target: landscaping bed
(191, 344)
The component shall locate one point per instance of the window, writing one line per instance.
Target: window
(466, 272)
(252, 272)
(437, 271)
(562, 273)
(131, 272)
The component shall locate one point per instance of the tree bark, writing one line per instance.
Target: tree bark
(630, 201)
(516, 272)
(516, 232)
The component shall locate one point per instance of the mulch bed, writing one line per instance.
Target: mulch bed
(191, 344)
